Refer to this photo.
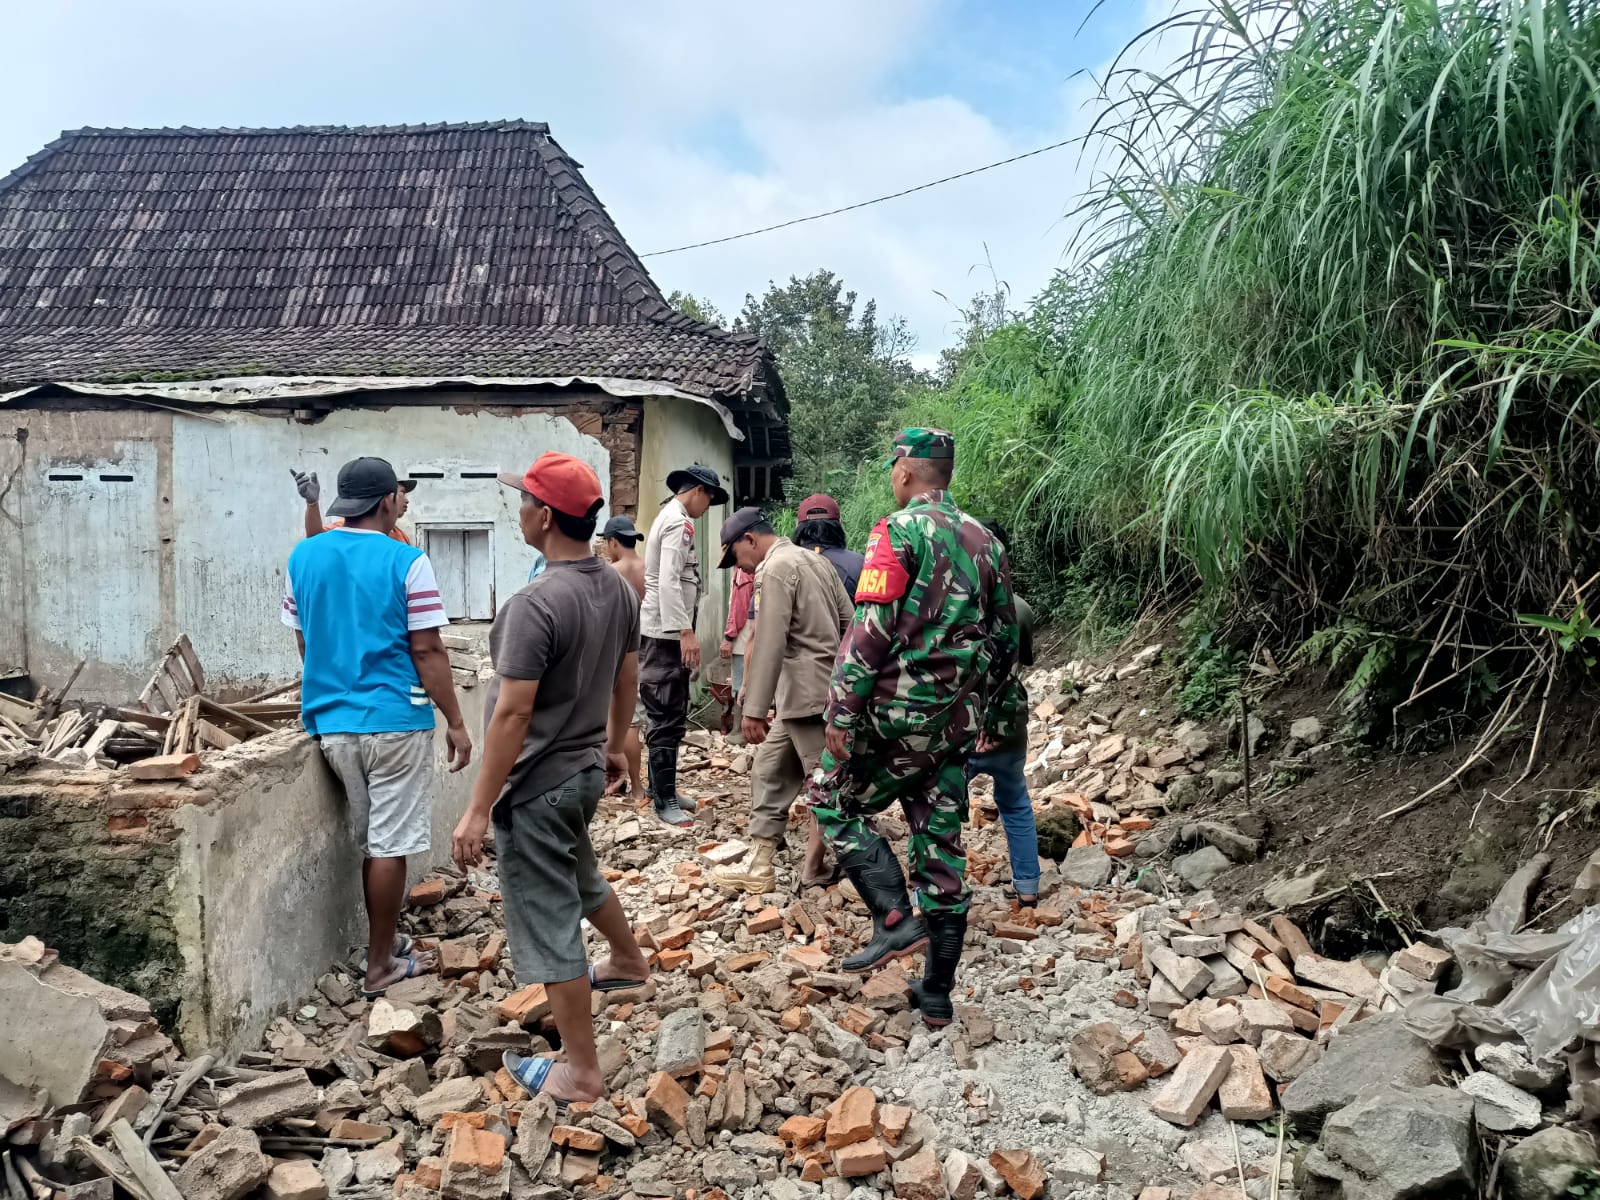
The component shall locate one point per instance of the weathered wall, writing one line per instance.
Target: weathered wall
(220, 898)
(87, 868)
(134, 525)
(13, 583)
(678, 433)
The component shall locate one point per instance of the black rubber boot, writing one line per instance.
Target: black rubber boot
(946, 933)
(896, 932)
(664, 787)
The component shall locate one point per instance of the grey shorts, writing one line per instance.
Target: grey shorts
(549, 877)
(388, 781)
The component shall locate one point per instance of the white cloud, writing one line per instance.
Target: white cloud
(921, 256)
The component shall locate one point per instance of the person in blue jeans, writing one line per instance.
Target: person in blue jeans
(1004, 762)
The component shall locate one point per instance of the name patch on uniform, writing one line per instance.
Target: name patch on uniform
(883, 576)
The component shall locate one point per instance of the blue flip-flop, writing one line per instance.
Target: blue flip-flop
(531, 1073)
(413, 969)
(613, 985)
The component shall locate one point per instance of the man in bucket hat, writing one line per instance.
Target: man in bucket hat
(669, 649)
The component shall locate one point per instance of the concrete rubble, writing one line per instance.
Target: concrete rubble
(1111, 1042)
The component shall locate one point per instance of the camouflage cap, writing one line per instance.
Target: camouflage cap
(923, 443)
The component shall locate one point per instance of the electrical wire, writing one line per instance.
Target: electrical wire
(833, 212)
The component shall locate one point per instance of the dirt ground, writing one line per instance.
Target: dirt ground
(1438, 864)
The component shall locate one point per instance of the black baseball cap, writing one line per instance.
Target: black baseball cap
(685, 478)
(623, 529)
(734, 528)
(363, 483)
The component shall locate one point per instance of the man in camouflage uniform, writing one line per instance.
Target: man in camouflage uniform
(932, 641)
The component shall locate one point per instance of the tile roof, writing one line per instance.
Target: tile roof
(445, 250)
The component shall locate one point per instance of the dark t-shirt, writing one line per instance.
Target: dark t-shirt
(570, 629)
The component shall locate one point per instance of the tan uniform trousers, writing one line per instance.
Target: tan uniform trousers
(779, 769)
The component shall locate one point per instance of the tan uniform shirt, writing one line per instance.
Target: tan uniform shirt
(671, 574)
(801, 613)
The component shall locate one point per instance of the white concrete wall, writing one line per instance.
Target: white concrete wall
(268, 884)
(197, 540)
(13, 582)
(679, 433)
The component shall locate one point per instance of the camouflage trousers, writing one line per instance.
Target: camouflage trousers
(928, 776)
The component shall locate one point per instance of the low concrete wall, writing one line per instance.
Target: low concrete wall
(220, 898)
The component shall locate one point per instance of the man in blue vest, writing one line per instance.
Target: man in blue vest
(366, 614)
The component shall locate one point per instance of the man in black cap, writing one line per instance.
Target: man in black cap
(619, 541)
(669, 648)
(366, 613)
(311, 492)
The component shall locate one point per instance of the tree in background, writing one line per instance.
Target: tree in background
(846, 372)
(694, 306)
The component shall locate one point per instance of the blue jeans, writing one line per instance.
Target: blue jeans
(1016, 813)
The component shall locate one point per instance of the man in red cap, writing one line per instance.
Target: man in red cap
(566, 661)
(819, 530)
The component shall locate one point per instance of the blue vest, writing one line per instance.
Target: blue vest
(350, 593)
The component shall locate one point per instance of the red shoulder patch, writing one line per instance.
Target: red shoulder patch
(688, 533)
(883, 575)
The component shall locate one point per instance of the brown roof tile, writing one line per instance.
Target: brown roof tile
(474, 249)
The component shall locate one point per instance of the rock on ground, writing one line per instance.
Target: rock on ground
(1394, 1143)
(1367, 1055)
(1543, 1166)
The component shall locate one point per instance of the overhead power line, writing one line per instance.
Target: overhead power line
(833, 212)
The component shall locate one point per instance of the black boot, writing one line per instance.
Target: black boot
(882, 886)
(664, 787)
(946, 932)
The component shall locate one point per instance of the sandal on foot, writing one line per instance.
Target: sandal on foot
(414, 968)
(530, 1074)
(1023, 900)
(613, 985)
(403, 945)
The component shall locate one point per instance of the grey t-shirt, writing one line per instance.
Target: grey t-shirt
(570, 629)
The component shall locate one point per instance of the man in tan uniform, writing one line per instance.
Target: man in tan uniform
(669, 650)
(801, 613)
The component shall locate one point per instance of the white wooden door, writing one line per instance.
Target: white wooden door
(463, 560)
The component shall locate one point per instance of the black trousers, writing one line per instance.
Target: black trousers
(664, 692)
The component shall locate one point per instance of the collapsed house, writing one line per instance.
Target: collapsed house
(186, 315)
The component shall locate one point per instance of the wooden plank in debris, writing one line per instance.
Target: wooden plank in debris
(233, 715)
(112, 1166)
(177, 677)
(102, 734)
(269, 712)
(216, 737)
(15, 730)
(191, 662)
(136, 716)
(142, 1164)
(270, 693)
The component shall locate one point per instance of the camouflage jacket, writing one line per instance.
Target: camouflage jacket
(935, 629)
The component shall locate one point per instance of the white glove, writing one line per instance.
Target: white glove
(306, 484)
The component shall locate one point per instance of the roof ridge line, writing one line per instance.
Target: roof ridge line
(632, 277)
(508, 123)
(35, 160)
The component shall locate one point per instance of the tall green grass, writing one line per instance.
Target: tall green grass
(1330, 344)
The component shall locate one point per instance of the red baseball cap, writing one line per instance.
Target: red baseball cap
(819, 507)
(567, 484)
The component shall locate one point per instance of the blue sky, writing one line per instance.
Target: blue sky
(693, 119)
